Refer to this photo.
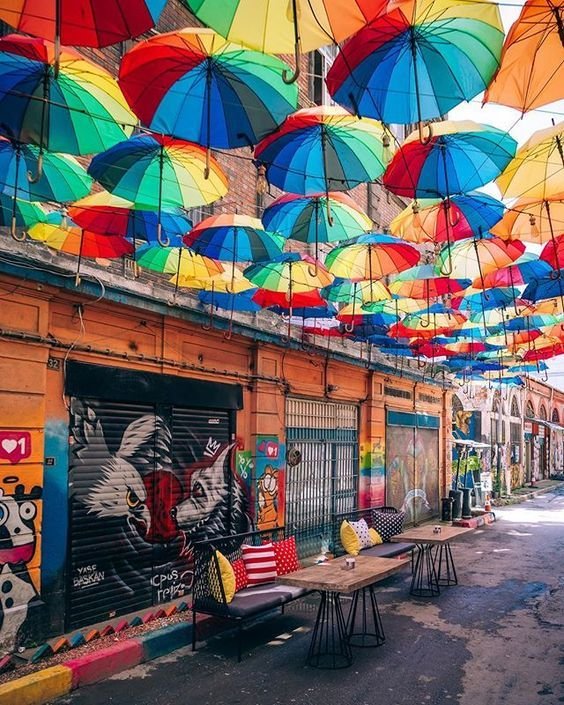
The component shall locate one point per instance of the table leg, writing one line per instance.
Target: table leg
(444, 566)
(424, 582)
(329, 646)
(364, 625)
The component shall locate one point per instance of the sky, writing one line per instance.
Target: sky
(521, 128)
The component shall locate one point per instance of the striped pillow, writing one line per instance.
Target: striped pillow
(260, 563)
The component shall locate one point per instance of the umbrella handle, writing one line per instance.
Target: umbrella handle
(207, 167)
(289, 79)
(13, 230)
(422, 138)
(34, 179)
(164, 241)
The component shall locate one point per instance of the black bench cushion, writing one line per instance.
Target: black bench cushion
(258, 599)
(388, 550)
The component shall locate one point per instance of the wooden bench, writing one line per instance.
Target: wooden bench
(382, 550)
(247, 603)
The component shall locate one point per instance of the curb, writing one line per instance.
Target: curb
(51, 683)
(518, 498)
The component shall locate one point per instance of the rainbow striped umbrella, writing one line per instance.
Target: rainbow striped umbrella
(371, 256)
(196, 86)
(469, 259)
(455, 157)
(91, 23)
(74, 107)
(422, 282)
(157, 172)
(323, 149)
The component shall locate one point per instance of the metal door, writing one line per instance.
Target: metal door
(325, 480)
(146, 480)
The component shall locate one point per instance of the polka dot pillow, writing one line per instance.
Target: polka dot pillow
(360, 528)
(241, 579)
(387, 524)
(286, 556)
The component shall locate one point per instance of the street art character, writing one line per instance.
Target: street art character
(268, 499)
(17, 546)
(414, 497)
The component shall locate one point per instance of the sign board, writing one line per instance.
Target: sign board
(486, 481)
(15, 446)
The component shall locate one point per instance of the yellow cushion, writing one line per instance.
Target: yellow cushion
(227, 578)
(375, 536)
(349, 539)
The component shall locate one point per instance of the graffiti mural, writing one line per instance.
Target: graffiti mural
(372, 485)
(144, 488)
(18, 542)
(270, 482)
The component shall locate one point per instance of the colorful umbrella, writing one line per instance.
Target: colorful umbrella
(242, 301)
(92, 23)
(422, 282)
(546, 287)
(316, 218)
(285, 26)
(532, 65)
(59, 233)
(80, 110)
(419, 60)
(537, 170)
(533, 220)
(177, 260)
(544, 348)
(436, 320)
(371, 256)
(60, 178)
(105, 213)
(478, 299)
(234, 238)
(268, 298)
(344, 291)
(380, 314)
(524, 270)
(289, 273)
(473, 258)
(323, 149)
(449, 219)
(196, 86)
(158, 172)
(455, 157)
(225, 282)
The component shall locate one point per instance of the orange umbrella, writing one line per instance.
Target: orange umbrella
(531, 73)
(533, 220)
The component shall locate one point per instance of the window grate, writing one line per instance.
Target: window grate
(399, 393)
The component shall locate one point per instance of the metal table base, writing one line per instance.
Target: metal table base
(444, 566)
(329, 648)
(424, 580)
(364, 624)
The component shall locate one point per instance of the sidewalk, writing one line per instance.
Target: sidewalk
(522, 494)
(106, 658)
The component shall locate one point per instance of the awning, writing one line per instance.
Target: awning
(542, 422)
(470, 443)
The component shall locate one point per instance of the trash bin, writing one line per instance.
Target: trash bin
(456, 503)
(466, 508)
(446, 508)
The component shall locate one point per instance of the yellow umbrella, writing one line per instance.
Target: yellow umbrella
(537, 170)
(533, 220)
(227, 282)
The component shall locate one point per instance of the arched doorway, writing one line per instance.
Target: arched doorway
(529, 444)
(543, 444)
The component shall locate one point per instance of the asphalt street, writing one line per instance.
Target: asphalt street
(496, 638)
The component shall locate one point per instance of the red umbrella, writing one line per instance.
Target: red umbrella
(553, 252)
(266, 299)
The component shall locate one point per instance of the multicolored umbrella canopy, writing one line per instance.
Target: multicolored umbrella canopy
(419, 60)
(234, 238)
(276, 26)
(524, 270)
(105, 213)
(469, 259)
(289, 273)
(422, 282)
(92, 23)
(177, 260)
(371, 256)
(60, 233)
(316, 218)
(344, 291)
(158, 172)
(537, 170)
(533, 220)
(532, 67)
(323, 149)
(455, 157)
(80, 110)
(447, 220)
(62, 179)
(196, 86)
(377, 314)
(226, 282)
(436, 320)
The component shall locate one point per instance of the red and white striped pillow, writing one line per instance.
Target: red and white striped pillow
(260, 563)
